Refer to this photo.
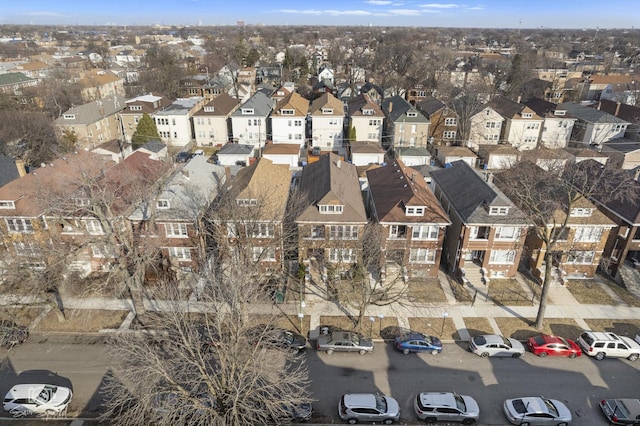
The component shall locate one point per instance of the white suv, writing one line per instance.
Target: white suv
(368, 407)
(446, 407)
(604, 344)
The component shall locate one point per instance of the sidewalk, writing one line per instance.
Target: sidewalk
(560, 304)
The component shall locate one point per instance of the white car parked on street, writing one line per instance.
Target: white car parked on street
(26, 399)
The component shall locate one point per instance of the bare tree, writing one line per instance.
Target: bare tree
(549, 198)
(199, 367)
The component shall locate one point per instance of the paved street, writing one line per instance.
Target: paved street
(580, 382)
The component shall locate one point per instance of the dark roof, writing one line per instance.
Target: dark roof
(431, 105)
(622, 145)
(545, 109)
(8, 170)
(395, 186)
(397, 107)
(235, 148)
(506, 107)
(331, 180)
(360, 102)
(154, 146)
(223, 105)
(590, 115)
(629, 113)
(471, 195)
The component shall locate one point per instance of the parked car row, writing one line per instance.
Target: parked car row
(451, 407)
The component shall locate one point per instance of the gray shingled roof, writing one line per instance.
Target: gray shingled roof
(399, 109)
(8, 170)
(13, 78)
(236, 148)
(591, 115)
(261, 103)
(470, 195)
(154, 146)
(93, 112)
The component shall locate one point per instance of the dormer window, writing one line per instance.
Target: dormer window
(208, 109)
(450, 121)
(7, 205)
(527, 115)
(327, 110)
(162, 204)
(412, 114)
(82, 202)
(581, 212)
(135, 107)
(287, 112)
(559, 112)
(280, 93)
(414, 211)
(247, 111)
(331, 209)
(498, 211)
(69, 116)
(247, 202)
(367, 111)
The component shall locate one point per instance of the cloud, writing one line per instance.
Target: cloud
(440, 5)
(379, 2)
(405, 12)
(45, 13)
(479, 7)
(327, 12)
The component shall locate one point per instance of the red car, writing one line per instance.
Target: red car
(546, 344)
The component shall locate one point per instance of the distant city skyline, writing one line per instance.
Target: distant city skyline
(484, 13)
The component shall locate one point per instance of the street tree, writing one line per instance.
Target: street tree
(146, 130)
(549, 197)
(207, 362)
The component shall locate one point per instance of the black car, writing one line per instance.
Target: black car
(183, 157)
(276, 337)
(12, 334)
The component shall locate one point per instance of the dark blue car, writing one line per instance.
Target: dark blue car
(418, 342)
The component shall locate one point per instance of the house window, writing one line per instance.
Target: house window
(559, 233)
(422, 255)
(449, 135)
(343, 232)
(588, 234)
(69, 116)
(530, 139)
(367, 112)
(81, 202)
(263, 253)
(286, 112)
(135, 108)
(507, 233)
(181, 253)
(317, 231)
(533, 126)
(208, 109)
(262, 230)
(232, 231)
(331, 209)
(498, 211)
(479, 232)
(297, 123)
(414, 128)
(581, 212)
(619, 128)
(343, 255)
(94, 227)
(176, 229)
(26, 248)
(425, 232)
(492, 125)
(7, 205)
(246, 202)
(581, 257)
(502, 257)
(373, 135)
(397, 231)
(327, 110)
(163, 204)
(450, 121)
(414, 211)
(412, 114)
(247, 111)
(375, 122)
(527, 115)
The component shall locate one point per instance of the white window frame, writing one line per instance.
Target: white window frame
(449, 134)
(93, 226)
(588, 234)
(260, 254)
(6, 204)
(450, 121)
(422, 255)
(581, 212)
(502, 257)
(344, 255)
(331, 208)
(176, 230)
(163, 204)
(414, 210)
(425, 232)
(498, 211)
(507, 233)
(343, 232)
(262, 230)
(581, 257)
(181, 253)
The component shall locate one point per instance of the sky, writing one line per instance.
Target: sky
(483, 13)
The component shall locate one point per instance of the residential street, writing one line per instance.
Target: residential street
(580, 382)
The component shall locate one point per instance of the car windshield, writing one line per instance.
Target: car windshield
(355, 339)
(552, 408)
(519, 406)
(539, 340)
(46, 394)
(621, 408)
(427, 340)
(564, 341)
(460, 402)
(507, 342)
(287, 336)
(381, 404)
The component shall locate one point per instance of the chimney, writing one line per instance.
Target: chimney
(519, 98)
(599, 105)
(338, 163)
(185, 173)
(22, 171)
(390, 106)
(617, 108)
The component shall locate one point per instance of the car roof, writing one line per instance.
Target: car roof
(549, 338)
(27, 388)
(411, 336)
(602, 335)
(534, 404)
(632, 405)
(359, 400)
(492, 338)
(438, 399)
